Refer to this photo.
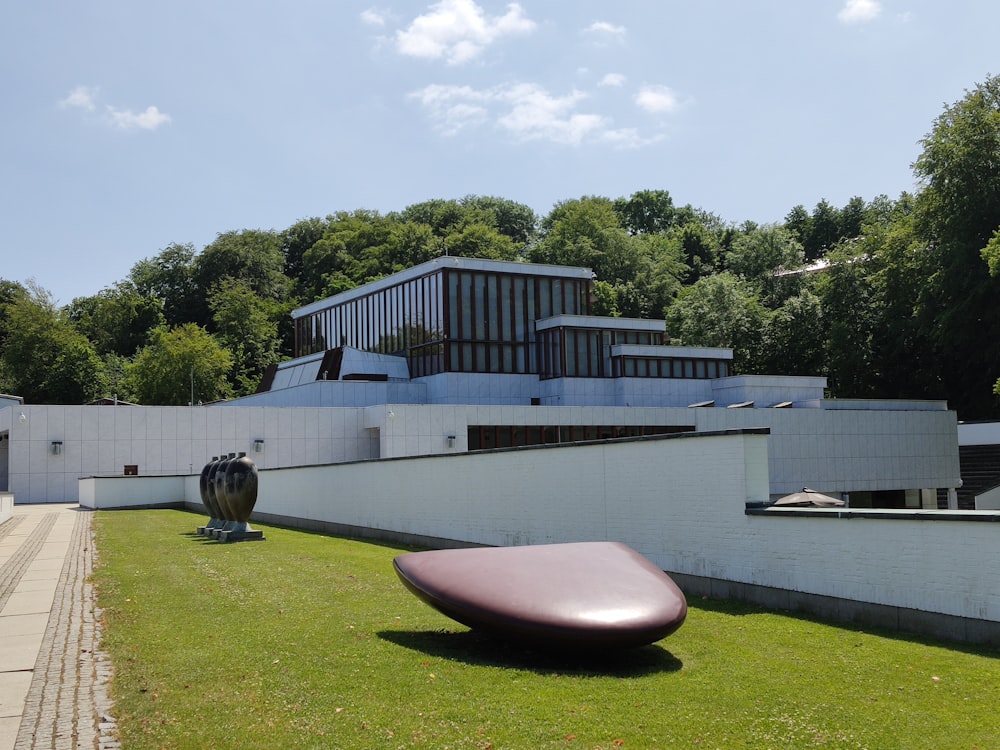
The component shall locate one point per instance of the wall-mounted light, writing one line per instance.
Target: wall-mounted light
(56, 447)
(23, 418)
(258, 446)
(451, 441)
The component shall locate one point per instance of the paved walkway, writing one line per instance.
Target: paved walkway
(53, 680)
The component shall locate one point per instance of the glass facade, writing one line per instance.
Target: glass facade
(491, 317)
(407, 318)
(486, 437)
(669, 367)
(585, 352)
(482, 319)
(450, 320)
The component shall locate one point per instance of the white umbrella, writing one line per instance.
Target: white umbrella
(809, 498)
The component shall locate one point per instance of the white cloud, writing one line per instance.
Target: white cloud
(81, 97)
(85, 98)
(628, 138)
(373, 17)
(612, 79)
(534, 114)
(656, 99)
(459, 31)
(454, 108)
(860, 11)
(603, 27)
(526, 111)
(150, 119)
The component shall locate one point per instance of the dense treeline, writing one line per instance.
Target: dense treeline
(887, 298)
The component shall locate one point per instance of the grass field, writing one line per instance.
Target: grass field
(310, 641)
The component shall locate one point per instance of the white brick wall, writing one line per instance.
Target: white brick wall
(680, 501)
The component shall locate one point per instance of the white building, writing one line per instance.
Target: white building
(461, 355)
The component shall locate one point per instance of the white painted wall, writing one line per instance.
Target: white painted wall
(679, 500)
(165, 440)
(979, 433)
(833, 451)
(131, 492)
(829, 450)
(989, 500)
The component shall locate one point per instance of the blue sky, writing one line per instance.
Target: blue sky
(125, 126)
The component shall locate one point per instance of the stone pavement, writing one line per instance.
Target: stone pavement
(53, 678)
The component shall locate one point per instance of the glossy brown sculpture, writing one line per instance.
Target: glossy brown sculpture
(578, 595)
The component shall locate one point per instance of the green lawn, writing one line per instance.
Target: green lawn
(310, 641)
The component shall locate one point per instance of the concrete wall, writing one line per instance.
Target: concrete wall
(133, 492)
(165, 440)
(612, 490)
(679, 500)
(989, 500)
(829, 450)
(6, 506)
(979, 433)
(839, 450)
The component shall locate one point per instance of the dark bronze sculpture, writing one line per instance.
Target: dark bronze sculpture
(228, 487)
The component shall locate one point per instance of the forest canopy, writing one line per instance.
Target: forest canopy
(886, 297)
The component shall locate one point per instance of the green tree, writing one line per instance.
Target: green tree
(646, 212)
(245, 325)
(720, 310)
(352, 251)
(481, 241)
(958, 215)
(582, 233)
(296, 240)
(116, 320)
(852, 218)
(824, 230)
(442, 216)
(169, 277)
(793, 337)
(252, 256)
(761, 255)
(799, 223)
(10, 292)
(43, 358)
(700, 246)
(410, 244)
(850, 313)
(177, 363)
(509, 218)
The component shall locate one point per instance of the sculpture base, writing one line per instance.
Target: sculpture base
(233, 535)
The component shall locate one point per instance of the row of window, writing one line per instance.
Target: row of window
(502, 307)
(585, 353)
(642, 367)
(449, 304)
(471, 321)
(389, 321)
(485, 437)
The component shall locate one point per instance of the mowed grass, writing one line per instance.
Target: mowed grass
(310, 641)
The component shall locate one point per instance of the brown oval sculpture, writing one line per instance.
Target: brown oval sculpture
(585, 594)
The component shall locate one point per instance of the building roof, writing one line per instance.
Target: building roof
(445, 261)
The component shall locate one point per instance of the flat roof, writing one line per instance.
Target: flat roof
(445, 261)
(671, 352)
(601, 323)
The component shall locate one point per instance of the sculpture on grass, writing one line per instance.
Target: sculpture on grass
(228, 487)
(583, 595)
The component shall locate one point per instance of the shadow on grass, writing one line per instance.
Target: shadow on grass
(479, 649)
